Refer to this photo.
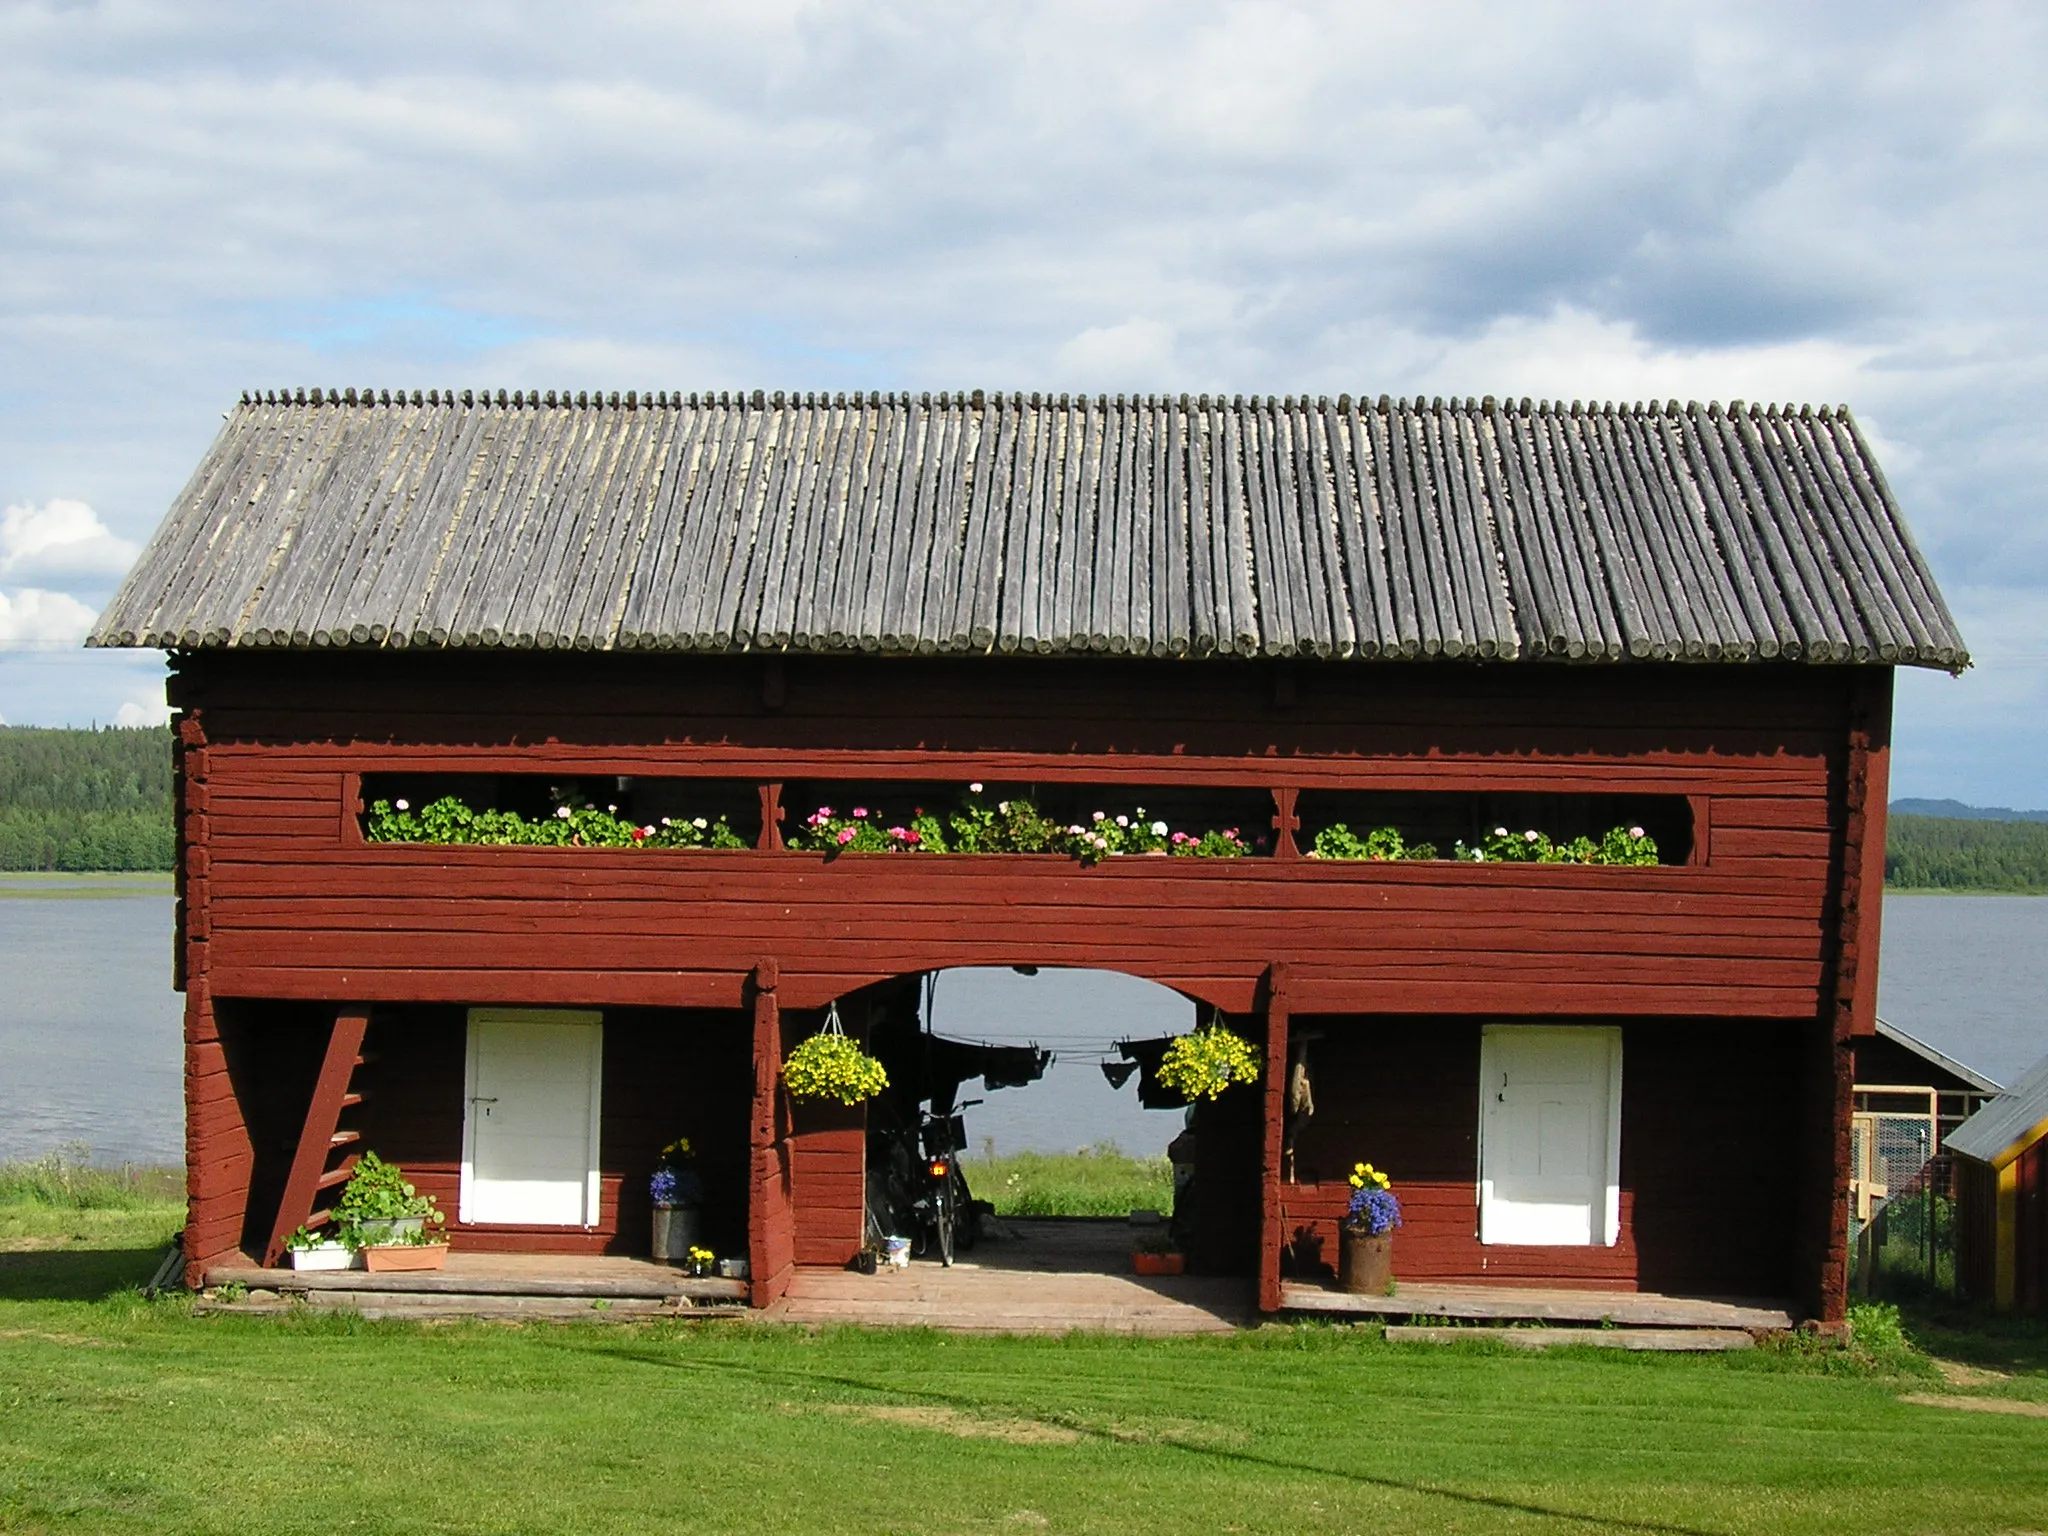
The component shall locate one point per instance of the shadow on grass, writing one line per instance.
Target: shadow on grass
(1209, 1453)
(1977, 1335)
(80, 1274)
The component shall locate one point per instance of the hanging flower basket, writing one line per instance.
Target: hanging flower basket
(1203, 1064)
(831, 1066)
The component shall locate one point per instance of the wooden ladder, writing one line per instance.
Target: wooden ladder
(322, 1137)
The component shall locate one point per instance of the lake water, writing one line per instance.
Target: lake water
(89, 1027)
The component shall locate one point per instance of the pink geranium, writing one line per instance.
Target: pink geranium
(845, 836)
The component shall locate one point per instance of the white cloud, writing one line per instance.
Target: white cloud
(1134, 354)
(61, 538)
(35, 619)
(1571, 354)
(143, 709)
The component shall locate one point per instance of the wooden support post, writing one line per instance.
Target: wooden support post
(1285, 824)
(1849, 1009)
(770, 840)
(1272, 1234)
(323, 1121)
(218, 1154)
(770, 1233)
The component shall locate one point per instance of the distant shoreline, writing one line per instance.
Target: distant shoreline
(82, 885)
(1950, 890)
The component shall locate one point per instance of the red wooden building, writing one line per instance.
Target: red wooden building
(1276, 615)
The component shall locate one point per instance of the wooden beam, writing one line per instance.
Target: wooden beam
(323, 1117)
(770, 1235)
(1271, 1220)
(1285, 822)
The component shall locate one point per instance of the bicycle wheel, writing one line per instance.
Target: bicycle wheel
(966, 1219)
(942, 1221)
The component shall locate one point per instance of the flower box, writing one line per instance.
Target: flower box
(327, 1256)
(389, 1258)
(384, 1230)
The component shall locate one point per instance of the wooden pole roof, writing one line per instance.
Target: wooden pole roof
(952, 523)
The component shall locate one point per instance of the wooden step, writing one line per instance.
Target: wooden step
(1538, 1304)
(334, 1176)
(445, 1282)
(498, 1309)
(1676, 1340)
(343, 1138)
(351, 1099)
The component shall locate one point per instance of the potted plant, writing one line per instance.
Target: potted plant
(321, 1250)
(382, 1214)
(1365, 1240)
(678, 1196)
(829, 1065)
(1203, 1064)
(1156, 1255)
(700, 1261)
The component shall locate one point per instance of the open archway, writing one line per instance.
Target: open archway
(1011, 1059)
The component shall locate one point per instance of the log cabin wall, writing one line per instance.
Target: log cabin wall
(284, 900)
(299, 906)
(1708, 1125)
(666, 1073)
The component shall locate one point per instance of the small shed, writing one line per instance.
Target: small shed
(2002, 1197)
(1910, 1098)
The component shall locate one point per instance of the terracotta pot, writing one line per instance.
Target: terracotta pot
(385, 1258)
(1159, 1263)
(1365, 1264)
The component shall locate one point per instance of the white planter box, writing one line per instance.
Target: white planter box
(326, 1256)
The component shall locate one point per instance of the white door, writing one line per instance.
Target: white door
(1549, 1135)
(530, 1144)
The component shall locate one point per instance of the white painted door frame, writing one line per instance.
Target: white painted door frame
(1491, 1082)
(479, 1020)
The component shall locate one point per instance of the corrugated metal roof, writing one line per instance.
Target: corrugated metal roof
(1155, 525)
(1940, 1059)
(2009, 1124)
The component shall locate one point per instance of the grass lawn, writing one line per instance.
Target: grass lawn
(1100, 1182)
(123, 1415)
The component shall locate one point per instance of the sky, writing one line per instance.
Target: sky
(1824, 202)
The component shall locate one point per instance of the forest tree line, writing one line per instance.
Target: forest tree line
(1943, 853)
(101, 800)
(85, 800)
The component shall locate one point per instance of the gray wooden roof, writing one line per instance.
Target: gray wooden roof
(1153, 525)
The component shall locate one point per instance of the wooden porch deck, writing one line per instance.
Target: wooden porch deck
(511, 1286)
(1027, 1275)
(1524, 1303)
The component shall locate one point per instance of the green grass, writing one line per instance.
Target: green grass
(118, 1415)
(67, 1179)
(1099, 1182)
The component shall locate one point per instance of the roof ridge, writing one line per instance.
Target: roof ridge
(979, 399)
